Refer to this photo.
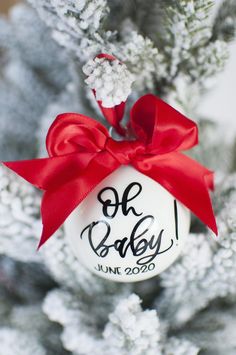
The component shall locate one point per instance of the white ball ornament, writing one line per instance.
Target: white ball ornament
(129, 228)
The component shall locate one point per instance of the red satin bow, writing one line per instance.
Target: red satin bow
(82, 154)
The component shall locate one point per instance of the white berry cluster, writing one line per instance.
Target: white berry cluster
(110, 79)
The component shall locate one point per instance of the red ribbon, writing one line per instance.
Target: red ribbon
(82, 154)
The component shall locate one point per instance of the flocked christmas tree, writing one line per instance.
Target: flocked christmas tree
(49, 303)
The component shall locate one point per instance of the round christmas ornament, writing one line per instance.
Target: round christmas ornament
(129, 228)
(126, 203)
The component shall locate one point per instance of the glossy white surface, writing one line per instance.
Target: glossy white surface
(136, 243)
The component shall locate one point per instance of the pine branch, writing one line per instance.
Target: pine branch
(186, 44)
(128, 330)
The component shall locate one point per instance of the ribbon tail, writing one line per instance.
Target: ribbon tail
(187, 180)
(51, 172)
(209, 178)
(32, 171)
(58, 203)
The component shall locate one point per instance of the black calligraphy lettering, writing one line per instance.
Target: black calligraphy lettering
(101, 249)
(141, 243)
(176, 220)
(137, 243)
(111, 205)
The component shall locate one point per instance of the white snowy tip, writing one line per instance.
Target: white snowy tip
(110, 79)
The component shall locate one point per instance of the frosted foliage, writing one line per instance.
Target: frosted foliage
(81, 15)
(143, 60)
(127, 330)
(65, 267)
(19, 217)
(207, 269)
(186, 30)
(80, 330)
(208, 61)
(18, 343)
(30, 325)
(110, 79)
(219, 325)
(16, 107)
(189, 47)
(31, 76)
(67, 270)
(28, 31)
(178, 281)
(176, 346)
(23, 316)
(32, 321)
(74, 24)
(133, 331)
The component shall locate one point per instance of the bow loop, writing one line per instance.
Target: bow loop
(161, 127)
(75, 133)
